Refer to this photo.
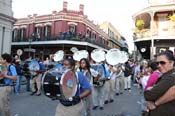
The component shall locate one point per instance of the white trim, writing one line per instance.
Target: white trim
(87, 28)
(72, 23)
(15, 27)
(23, 26)
(38, 25)
(48, 23)
(156, 38)
(94, 32)
(58, 42)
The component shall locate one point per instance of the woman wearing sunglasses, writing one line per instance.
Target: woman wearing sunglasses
(165, 63)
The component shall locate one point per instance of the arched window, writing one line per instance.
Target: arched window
(38, 31)
(47, 32)
(22, 34)
(72, 30)
(15, 35)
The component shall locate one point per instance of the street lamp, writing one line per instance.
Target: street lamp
(30, 41)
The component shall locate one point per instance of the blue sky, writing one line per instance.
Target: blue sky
(118, 12)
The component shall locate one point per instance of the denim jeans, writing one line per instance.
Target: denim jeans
(27, 84)
(18, 84)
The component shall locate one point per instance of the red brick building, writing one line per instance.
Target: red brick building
(44, 35)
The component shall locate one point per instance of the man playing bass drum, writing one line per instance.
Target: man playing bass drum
(83, 90)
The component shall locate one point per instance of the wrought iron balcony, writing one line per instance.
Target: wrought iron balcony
(61, 36)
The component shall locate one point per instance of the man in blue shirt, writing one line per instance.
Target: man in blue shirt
(83, 90)
(7, 77)
(98, 94)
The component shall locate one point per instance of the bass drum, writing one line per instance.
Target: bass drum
(57, 85)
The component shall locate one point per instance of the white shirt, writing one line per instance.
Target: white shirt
(93, 74)
(144, 80)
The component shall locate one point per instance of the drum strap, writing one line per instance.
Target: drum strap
(78, 84)
(87, 73)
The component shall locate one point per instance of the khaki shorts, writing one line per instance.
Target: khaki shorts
(5, 100)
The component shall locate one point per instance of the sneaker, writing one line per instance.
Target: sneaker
(38, 94)
(111, 100)
(32, 93)
(129, 89)
(106, 102)
(101, 108)
(95, 107)
(54, 98)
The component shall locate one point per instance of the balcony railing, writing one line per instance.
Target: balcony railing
(143, 34)
(146, 33)
(73, 37)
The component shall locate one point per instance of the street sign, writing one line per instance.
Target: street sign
(29, 50)
(19, 52)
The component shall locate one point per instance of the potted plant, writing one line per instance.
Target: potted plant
(171, 17)
(140, 24)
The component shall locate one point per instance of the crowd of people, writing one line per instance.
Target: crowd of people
(157, 79)
(98, 83)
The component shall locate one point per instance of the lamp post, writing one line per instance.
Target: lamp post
(30, 41)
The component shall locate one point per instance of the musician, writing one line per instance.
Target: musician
(7, 77)
(36, 78)
(119, 80)
(110, 85)
(27, 75)
(84, 89)
(127, 75)
(99, 91)
(89, 73)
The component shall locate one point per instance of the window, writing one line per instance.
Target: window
(38, 31)
(15, 35)
(73, 30)
(47, 31)
(23, 34)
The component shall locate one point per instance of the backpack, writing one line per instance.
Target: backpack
(8, 81)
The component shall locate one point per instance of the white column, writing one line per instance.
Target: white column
(152, 48)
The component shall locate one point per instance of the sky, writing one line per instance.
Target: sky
(118, 12)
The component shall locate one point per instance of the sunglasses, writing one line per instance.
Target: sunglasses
(161, 63)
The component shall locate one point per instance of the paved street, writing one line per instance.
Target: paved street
(26, 105)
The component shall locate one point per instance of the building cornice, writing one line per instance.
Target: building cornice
(158, 8)
(7, 18)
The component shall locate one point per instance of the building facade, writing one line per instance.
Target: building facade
(46, 34)
(155, 28)
(114, 36)
(6, 26)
